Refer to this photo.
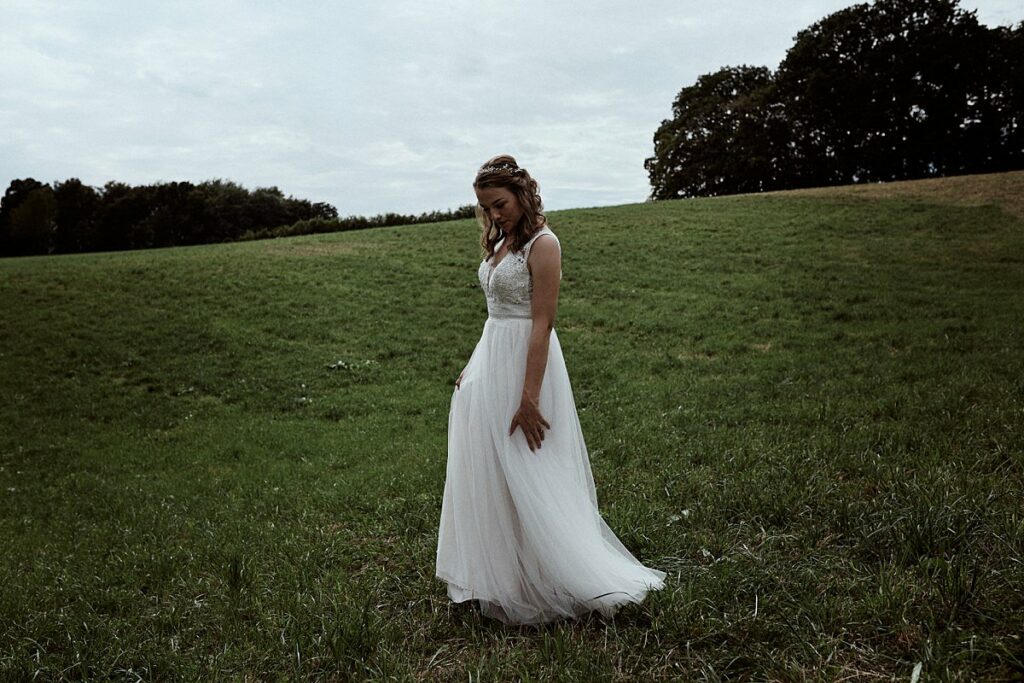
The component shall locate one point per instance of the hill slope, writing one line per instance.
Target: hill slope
(804, 406)
(1005, 190)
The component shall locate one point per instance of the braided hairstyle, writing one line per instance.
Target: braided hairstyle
(503, 171)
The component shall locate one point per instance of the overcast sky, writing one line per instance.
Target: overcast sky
(371, 106)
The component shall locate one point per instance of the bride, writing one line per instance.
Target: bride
(520, 530)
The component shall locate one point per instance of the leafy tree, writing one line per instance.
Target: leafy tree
(172, 216)
(32, 222)
(715, 142)
(75, 228)
(325, 211)
(894, 90)
(16, 193)
(1003, 106)
(122, 211)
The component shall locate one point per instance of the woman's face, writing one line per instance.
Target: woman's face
(500, 206)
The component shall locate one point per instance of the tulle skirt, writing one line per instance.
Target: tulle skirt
(520, 530)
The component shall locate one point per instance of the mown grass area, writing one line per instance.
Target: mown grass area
(226, 462)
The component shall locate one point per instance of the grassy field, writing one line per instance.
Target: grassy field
(226, 462)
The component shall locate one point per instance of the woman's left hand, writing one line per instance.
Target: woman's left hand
(529, 419)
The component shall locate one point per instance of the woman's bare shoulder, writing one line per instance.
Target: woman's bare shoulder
(545, 251)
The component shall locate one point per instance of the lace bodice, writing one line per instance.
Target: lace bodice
(509, 285)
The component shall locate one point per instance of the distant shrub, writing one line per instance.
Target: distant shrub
(320, 225)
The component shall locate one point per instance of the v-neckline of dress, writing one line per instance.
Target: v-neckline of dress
(494, 267)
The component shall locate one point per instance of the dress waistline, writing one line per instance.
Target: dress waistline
(509, 316)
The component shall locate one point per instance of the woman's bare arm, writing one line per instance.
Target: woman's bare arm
(545, 264)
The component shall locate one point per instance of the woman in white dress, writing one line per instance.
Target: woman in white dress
(520, 530)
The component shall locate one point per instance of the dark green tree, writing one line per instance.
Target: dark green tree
(897, 89)
(75, 229)
(32, 222)
(173, 217)
(716, 141)
(17, 192)
(122, 211)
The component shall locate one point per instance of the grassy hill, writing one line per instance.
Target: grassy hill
(227, 461)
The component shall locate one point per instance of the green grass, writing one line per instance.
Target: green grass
(226, 462)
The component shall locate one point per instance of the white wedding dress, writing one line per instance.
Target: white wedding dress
(520, 530)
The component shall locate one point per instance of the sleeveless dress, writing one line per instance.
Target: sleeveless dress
(520, 530)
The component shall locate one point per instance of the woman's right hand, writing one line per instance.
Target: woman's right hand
(459, 380)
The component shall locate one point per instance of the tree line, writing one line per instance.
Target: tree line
(71, 217)
(894, 90)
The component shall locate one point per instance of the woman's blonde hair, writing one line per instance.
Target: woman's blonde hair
(503, 171)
